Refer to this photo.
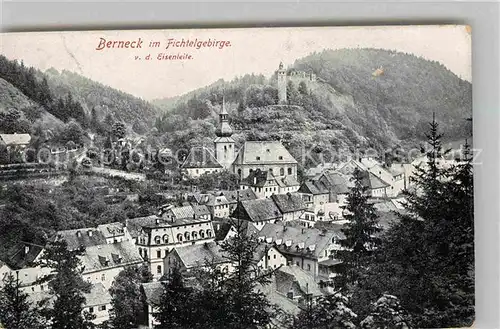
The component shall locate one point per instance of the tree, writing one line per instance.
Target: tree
(67, 287)
(176, 304)
(303, 88)
(17, 312)
(328, 312)
(118, 130)
(128, 305)
(360, 232)
(386, 313)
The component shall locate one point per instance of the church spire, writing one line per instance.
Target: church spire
(224, 129)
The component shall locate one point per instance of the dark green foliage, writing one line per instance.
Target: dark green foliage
(17, 311)
(224, 180)
(67, 287)
(128, 305)
(361, 232)
(12, 122)
(118, 130)
(328, 312)
(427, 259)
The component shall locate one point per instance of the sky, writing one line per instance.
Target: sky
(254, 50)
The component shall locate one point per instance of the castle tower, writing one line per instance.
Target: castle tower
(281, 84)
(223, 143)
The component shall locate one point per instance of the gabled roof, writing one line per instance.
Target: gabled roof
(98, 295)
(262, 152)
(287, 181)
(344, 168)
(258, 178)
(84, 237)
(23, 255)
(289, 202)
(287, 276)
(153, 291)
(112, 229)
(335, 182)
(198, 254)
(313, 187)
(134, 225)
(307, 242)
(200, 157)
(246, 194)
(30, 275)
(258, 210)
(96, 258)
(15, 139)
(373, 182)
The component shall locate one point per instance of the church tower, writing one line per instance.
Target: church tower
(281, 73)
(224, 144)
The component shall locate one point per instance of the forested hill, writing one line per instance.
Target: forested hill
(33, 101)
(365, 97)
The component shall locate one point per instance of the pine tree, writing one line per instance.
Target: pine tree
(17, 312)
(128, 306)
(175, 310)
(67, 287)
(386, 313)
(360, 232)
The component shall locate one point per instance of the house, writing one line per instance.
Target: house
(5, 270)
(267, 256)
(179, 226)
(269, 156)
(81, 238)
(189, 258)
(348, 167)
(241, 195)
(15, 140)
(297, 284)
(114, 232)
(218, 205)
(305, 247)
(29, 278)
(199, 161)
(393, 175)
(259, 212)
(264, 183)
(25, 255)
(102, 263)
(377, 188)
(98, 303)
(290, 205)
(324, 188)
(314, 193)
(152, 292)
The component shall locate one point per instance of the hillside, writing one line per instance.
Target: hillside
(106, 100)
(365, 98)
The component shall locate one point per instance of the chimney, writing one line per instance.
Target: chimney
(90, 233)
(79, 234)
(254, 179)
(26, 249)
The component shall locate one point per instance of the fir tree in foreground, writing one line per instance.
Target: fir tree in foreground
(67, 287)
(17, 312)
(127, 303)
(360, 232)
(426, 259)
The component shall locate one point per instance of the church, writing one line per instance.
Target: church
(264, 156)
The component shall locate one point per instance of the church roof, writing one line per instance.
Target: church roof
(258, 178)
(264, 152)
(200, 157)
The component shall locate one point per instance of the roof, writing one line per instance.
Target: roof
(263, 152)
(200, 157)
(182, 212)
(373, 182)
(112, 229)
(104, 256)
(336, 182)
(276, 298)
(246, 194)
(134, 225)
(15, 139)
(257, 210)
(314, 188)
(347, 167)
(30, 275)
(258, 178)
(289, 202)
(286, 276)
(98, 295)
(196, 255)
(330, 262)
(287, 181)
(153, 292)
(19, 258)
(299, 241)
(83, 237)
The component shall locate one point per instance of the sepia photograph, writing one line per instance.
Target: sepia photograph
(241, 178)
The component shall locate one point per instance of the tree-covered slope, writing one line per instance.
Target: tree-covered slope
(362, 98)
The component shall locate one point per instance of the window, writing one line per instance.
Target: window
(289, 171)
(298, 263)
(158, 253)
(91, 309)
(157, 239)
(257, 158)
(103, 277)
(209, 233)
(158, 269)
(308, 267)
(280, 157)
(282, 171)
(225, 148)
(274, 256)
(187, 236)
(197, 171)
(179, 237)
(165, 238)
(102, 308)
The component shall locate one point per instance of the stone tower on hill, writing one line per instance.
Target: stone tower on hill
(224, 143)
(281, 73)
(284, 76)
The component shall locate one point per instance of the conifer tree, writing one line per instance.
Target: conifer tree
(360, 232)
(67, 287)
(386, 313)
(16, 310)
